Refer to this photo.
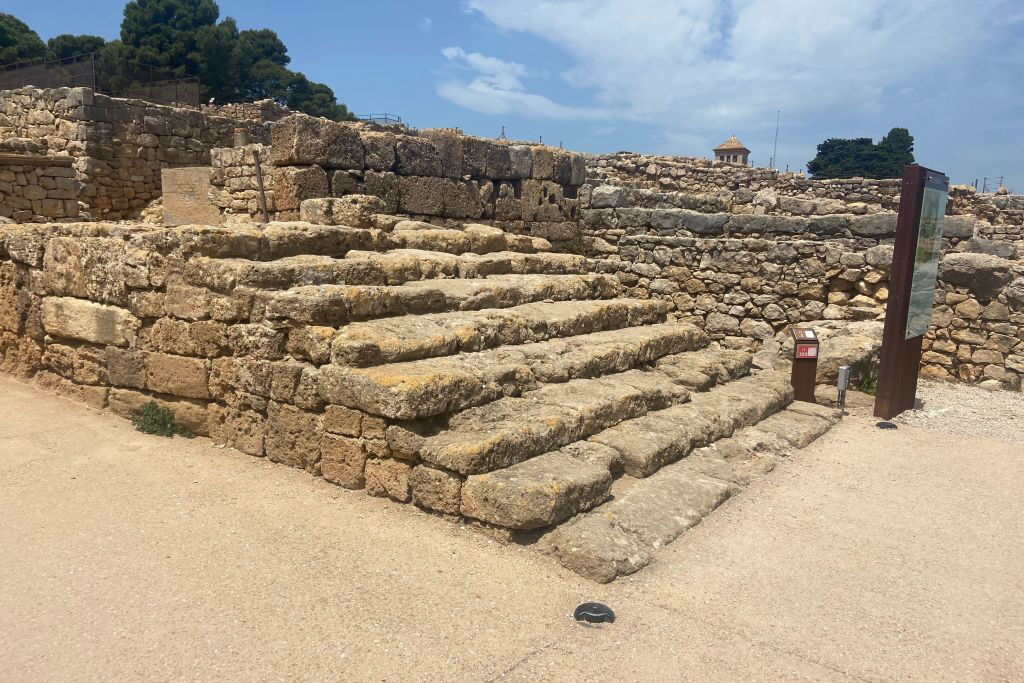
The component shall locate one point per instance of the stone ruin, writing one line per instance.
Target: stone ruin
(583, 354)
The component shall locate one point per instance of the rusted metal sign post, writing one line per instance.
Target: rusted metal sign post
(915, 264)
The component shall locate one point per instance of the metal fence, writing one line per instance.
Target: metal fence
(104, 75)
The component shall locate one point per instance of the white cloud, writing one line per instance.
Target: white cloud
(713, 62)
(495, 86)
(425, 24)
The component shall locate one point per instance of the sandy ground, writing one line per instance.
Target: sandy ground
(869, 556)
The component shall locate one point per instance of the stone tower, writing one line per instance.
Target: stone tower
(732, 150)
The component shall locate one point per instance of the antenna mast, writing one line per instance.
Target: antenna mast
(775, 149)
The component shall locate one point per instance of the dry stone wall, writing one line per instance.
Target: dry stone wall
(37, 188)
(119, 146)
(437, 175)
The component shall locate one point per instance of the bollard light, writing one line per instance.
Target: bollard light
(843, 382)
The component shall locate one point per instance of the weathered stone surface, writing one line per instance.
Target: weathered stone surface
(188, 413)
(342, 460)
(432, 387)
(421, 195)
(186, 196)
(539, 492)
(293, 436)
(795, 426)
(435, 489)
(388, 478)
(354, 210)
(241, 429)
(983, 274)
(417, 157)
(88, 321)
(177, 375)
(293, 185)
(379, 150)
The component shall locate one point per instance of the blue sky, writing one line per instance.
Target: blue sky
(660, 76)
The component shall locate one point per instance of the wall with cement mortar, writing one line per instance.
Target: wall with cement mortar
(119, 146)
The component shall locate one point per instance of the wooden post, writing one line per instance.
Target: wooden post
(901, 357)
(259, 185)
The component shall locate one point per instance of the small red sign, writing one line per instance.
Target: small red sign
(806, 350)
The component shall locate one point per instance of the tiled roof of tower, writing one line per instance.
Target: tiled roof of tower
(732, 143)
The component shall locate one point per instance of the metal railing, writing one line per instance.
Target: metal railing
(118, 78)
(384, 119)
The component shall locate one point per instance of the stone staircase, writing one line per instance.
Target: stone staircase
(503, 383)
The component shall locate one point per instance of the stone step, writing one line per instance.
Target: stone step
(337, 305)
(648, 443)
(639, 445)
(276, 240)
(513, 429)
(473, 238)
(430, 387)
(702, 370)
(413, 337)
(371, 268)
(621, 536)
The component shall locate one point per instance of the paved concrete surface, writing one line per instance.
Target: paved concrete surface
(868, 556)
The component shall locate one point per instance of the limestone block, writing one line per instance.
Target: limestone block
(449, 149)
(474, 156)
(461, 199)
(186, 196)
(87, 267)
(562, 168)
(342, 461)
(126, 367)
(520, 161)
(874, 225)
(93, 396)
(342, 421)
(177, 375)
(388, 478)
(435, 489)
(543, 163)
(498, 165)
(608, 196)
(187, 413)
(421, 195)
(88, 321)
(293, 184)
(241, 429)
(293, 436)
(983, 274)
(383, 185)
(539, 492)
(417, 156)
(303, 140)
(355, 210)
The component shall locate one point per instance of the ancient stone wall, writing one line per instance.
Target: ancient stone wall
(437, 175)
(119, 145)
(37, 188)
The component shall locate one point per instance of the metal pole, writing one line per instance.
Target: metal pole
(775, 149)
(259, 184)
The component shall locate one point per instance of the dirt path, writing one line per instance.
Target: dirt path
(871, 555)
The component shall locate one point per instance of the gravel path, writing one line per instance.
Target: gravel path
(968, 410)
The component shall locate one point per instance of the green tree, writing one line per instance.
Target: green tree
(860, 157)
(67, 45)
(19, 43)
(165, 33)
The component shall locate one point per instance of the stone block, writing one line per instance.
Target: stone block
(342, 461)
(448, 144)
(88, 321)
(380, 150)
(177, 375)
(126, 367)
(498, 165)
(421, 195)
(520, 161)
(86, 267)
(190, 414)
(474, 156)
(293, 184)
(240, 429)
(461, 199)
(388, 478)
(383, 185)
(434, 489)
(417, 157)
(355, 210)
(343, 421)
(186, 196)
(293, 436)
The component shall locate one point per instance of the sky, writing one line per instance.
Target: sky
(660, 76)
